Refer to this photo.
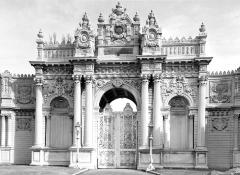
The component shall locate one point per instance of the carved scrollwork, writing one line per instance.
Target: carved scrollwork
(177, 85)
(58, 88)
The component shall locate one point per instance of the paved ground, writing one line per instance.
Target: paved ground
(183, 172)
(114, 172)
(36, 170)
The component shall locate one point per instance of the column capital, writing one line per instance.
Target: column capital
(38, 81)
(145, 77)
(77, 77)
(236, 116)
(48, 116)
(165, 116)
(6, 115)
(88, 78)
(191, 116)
(203, 80)
(157, 77)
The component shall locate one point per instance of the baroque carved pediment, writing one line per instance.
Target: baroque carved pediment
(177, 86)
(57, 87)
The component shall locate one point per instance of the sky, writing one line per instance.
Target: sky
(20, 21)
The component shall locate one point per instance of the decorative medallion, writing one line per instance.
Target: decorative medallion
(220, 124)
(24, 94)
(220, 92)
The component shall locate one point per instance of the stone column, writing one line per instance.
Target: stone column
(144, 112)
(157, 115)
(236, 154)
(88, 128)
(48, 130)
(38, 142)
(166, 127)
(201, 113)
(10, 131)
(77, 108)
(190, 130)
(3, 131)
(235, 146)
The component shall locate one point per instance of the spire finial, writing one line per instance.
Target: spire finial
(202, 29)
(136, 17)
(100, 18)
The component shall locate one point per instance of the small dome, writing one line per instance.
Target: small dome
(100, 18)
(202, 28)
(85, 18)
(136, 17)
(40, 34)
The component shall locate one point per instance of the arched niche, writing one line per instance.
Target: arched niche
(59, 126)
(180, 132)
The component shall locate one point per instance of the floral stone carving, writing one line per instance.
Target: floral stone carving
(58, 88)
(178, 85)
(220, 92)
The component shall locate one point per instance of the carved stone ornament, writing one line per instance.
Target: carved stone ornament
(220, 92)
(24, 94)
(151, 38)
(84, 42)
(118, 82)
(220, 124)
(58, 88)
(178, 85)
(23, 124)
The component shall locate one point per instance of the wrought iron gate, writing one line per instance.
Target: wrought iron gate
(117, 138)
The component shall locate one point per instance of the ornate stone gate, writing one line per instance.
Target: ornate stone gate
(117, 138)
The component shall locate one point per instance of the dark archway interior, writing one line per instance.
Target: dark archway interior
(113, 94)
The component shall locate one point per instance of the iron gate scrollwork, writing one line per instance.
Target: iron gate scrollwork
(117, 138)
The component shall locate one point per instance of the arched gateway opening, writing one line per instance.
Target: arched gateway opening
(117, 132)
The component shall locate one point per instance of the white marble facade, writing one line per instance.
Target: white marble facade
(190, 113)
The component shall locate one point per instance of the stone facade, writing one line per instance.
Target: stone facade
(191, 114)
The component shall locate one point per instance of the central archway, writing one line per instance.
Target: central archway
(117, 131)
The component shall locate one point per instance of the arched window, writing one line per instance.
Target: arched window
(60, 131)
(179, 136)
